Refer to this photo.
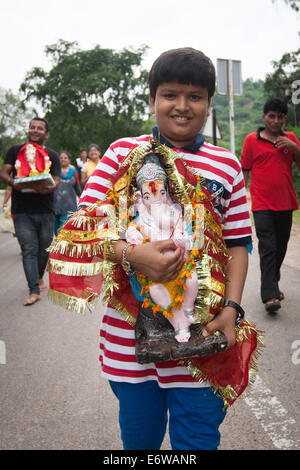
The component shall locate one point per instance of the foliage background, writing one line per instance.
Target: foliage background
(100, 95)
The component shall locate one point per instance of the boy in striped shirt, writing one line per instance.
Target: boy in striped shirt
(182, 83)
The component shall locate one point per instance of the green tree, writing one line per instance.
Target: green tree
(283, 81)
(248, 110)
(89, 96)
(14, 119)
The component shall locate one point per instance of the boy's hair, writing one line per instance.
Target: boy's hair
(186, 66)
(275, 104)
(43, 120)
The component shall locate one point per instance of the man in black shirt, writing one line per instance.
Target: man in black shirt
(33, 211)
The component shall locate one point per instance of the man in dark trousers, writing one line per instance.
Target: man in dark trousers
(269, 154)
(32, 209)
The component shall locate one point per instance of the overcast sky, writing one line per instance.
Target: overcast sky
(253, 31)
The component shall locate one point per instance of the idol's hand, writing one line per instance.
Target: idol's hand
(160, 261)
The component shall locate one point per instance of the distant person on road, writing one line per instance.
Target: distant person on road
(33, 210)
(65, 195)
(80, 162)
(269, 154)
(94, 154)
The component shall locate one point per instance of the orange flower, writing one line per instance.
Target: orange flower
(185, 273)
(179, 299)
(144, 288)
(145, 303)
(155, 309)
(168, 314)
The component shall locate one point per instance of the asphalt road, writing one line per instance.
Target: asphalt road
(52, 395)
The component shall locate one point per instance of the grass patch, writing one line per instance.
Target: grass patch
(296, 217)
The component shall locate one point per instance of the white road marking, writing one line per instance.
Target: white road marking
(273, 417)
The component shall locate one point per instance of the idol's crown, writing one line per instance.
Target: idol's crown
(151, 171)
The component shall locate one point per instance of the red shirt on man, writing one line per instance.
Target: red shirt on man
(271, 185)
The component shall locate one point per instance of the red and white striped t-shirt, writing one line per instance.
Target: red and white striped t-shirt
(225, 181)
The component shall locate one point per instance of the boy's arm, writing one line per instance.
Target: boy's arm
(236, 274)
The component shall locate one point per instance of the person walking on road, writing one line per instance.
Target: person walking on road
(80, 162)
(268, 155)
(65, 200)
(94, 154)
(33, 210)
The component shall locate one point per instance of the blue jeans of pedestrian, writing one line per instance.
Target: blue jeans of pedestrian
(34, 233)
(195, 416)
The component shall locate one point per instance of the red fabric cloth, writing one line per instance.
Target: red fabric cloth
(271, 185)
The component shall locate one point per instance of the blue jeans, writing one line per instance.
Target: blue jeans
(34, 233)
(195, 416)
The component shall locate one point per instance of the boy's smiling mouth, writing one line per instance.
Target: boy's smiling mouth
(180, 118)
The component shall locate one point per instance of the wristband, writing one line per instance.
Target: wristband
(125, 263)
(240, 312)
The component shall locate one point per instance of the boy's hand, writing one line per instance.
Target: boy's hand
(160, 261)
(225, 322)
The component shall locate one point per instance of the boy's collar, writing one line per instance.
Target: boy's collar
(194, 147)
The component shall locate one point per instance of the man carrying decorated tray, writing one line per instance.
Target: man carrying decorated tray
(32, 201)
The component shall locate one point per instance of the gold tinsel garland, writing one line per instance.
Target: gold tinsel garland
(91, 237)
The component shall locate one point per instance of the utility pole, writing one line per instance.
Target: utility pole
(231, 107)
(229, 82)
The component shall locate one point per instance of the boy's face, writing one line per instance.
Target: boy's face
(180, 111)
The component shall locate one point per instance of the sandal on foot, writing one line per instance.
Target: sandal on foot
(32, 299)
(272, 305)
(281, 295)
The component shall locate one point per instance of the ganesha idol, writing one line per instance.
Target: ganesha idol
(159, 218)
(33, 165)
